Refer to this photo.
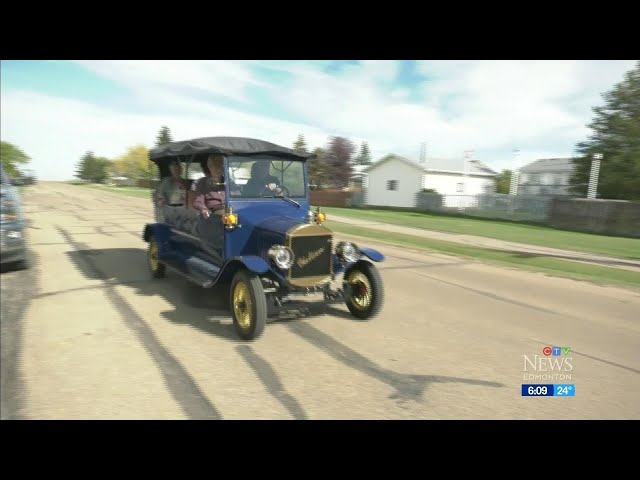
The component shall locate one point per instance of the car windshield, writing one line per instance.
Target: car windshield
(255, 177)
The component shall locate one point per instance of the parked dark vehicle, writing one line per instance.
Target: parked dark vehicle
(12, 225)
(274, 246)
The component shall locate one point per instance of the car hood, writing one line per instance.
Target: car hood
(274, 230)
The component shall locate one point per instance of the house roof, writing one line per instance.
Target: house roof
(548, 165)
(454, 165)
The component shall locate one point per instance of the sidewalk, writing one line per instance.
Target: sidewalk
(491, 243)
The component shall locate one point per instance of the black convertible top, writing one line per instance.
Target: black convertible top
(225, 146)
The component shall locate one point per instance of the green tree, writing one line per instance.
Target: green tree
(364, 158)
(318, 168)
(616, 135)
(11, 157)
(93, 169)
(300, 145)
(164, 136)
(135, 164)
(503, 181)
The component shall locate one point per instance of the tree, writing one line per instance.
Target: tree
(300, 145)
(616, 135)
(364, 158)
(318, 168)
(12, 156)
(135, 164)
(93, 169)
(503, 181)
(164, 136)
(339, 160)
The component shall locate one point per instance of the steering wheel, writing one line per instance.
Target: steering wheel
(285, 191)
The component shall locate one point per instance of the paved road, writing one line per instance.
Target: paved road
(91, 336)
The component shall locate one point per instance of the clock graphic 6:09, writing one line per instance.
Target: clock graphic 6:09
(537, 390)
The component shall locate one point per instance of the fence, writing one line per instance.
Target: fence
(607, 217)
(330, 198)
(529, 208)
(610, 217)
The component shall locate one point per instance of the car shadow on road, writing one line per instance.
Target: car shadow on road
(204, 308)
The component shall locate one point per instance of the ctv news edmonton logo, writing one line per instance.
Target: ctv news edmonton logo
(554, 364)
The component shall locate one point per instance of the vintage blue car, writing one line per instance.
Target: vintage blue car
(269, 244)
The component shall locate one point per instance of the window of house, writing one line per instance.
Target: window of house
(392, 185)
(460, 187)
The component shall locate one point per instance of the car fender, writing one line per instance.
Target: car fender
(253, 263)
(162, 234)
(372, 254)
(159, 231)
(355, 265)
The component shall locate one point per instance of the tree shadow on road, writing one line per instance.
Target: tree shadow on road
(208, 310)
(406, 386)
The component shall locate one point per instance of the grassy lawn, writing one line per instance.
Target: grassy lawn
(501, 230)
(552, 266)
(130, 191)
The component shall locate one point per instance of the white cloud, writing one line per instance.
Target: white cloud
(56, 132)
(540, 107)
(467, 104)
(226, 78)
(520, 103)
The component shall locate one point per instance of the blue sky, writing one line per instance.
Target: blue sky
(57, 110)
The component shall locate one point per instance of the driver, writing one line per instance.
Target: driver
(260, 181)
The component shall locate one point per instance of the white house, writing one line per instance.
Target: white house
(548, 176)
(394, 180)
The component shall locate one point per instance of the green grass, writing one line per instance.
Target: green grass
(502, 230)
(552, 266)
(130, 191)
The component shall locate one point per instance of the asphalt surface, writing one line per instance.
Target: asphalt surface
(87, 334)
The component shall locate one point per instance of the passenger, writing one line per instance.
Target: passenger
(261, 182)
(172, 190)
(209, 190)
(171, 193)
(210, 197)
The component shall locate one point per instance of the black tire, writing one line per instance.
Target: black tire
(248, 305)
(22, 264)
(157, 269)
(365, 301)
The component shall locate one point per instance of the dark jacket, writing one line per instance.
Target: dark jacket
(208, 195)
(255, 187)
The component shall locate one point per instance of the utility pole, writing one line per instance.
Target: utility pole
(468, 155)
(593, 176)
(515, 174)
(423, 152)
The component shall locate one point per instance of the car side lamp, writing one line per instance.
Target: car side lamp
(230, 219)
(320, 217)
